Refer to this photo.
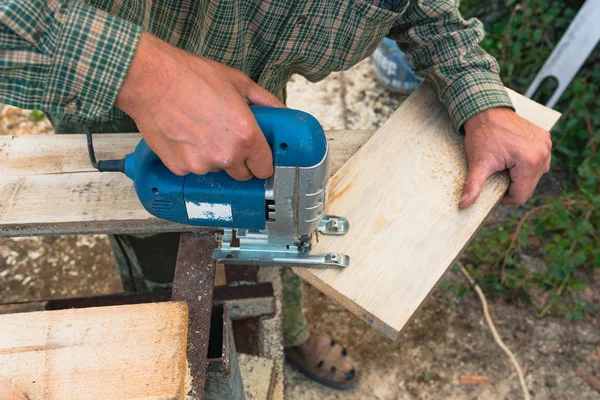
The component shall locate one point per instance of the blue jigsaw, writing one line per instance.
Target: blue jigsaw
(265, 221)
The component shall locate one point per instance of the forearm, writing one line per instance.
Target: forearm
(444, 48)
(64, 57)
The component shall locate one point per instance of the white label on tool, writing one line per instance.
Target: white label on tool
(211, 211)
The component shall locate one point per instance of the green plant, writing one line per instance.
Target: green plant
(37, 115)
(554, 247)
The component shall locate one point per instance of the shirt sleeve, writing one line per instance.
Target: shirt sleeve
(444, 49)
(64, 57)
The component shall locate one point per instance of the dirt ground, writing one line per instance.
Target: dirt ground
(447, 339)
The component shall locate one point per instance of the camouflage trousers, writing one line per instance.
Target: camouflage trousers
(146, 262)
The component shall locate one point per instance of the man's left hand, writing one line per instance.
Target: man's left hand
(498, 139)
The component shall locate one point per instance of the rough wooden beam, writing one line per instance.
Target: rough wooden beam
(47, 186)
(124, 352)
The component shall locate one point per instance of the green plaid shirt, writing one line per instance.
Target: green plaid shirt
(70, 57)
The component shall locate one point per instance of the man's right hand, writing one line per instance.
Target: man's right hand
(193, 112)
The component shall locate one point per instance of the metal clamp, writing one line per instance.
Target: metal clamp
(333, 225)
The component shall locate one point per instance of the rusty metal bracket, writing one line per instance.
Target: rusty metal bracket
(193, 283)
(211, 352)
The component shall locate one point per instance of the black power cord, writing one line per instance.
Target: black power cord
(111, 166)
(104, 165)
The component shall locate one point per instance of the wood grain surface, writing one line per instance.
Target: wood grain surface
(47, 185)
(400, 192)
(122, 352)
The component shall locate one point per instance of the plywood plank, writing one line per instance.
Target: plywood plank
(47, 185)
(122, 352)
(400, 192)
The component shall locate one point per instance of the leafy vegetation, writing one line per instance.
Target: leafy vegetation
(552, 248)
(37, 115)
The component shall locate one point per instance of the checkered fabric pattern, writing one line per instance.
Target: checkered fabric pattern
(70, 57)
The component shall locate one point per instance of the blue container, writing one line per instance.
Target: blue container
(393, 69)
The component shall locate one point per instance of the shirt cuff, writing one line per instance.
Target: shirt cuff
(473, 93)
(92, 54)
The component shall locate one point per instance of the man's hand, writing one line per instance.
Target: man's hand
(498, 139)
(193, 112)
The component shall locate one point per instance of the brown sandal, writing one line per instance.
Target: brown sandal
(324, 360)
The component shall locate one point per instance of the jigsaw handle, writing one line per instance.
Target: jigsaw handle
(295, 137)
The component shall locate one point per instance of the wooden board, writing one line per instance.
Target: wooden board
(55, 154)
(122, 352)
(400, 192)
(47, 185)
